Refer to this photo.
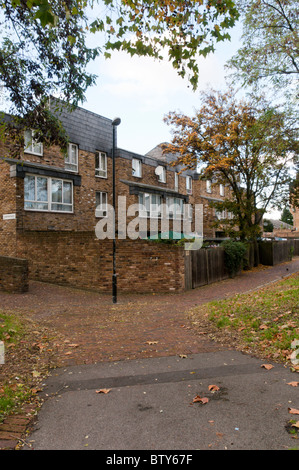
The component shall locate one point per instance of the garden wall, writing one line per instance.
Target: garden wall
(81, 260)
(13, 274)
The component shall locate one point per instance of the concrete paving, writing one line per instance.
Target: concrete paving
(149, 406)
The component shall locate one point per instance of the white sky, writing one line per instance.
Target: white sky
(141, 91)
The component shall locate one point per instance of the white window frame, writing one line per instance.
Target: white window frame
(36, 148)
(101, 168)
(49, 202)
(137, 167)
(221, 214)
(209, 186)
(102, 207)
(189, 184)
(69, 164)
(175, 208)
(221, 189)
(147, 207)
(162, 176)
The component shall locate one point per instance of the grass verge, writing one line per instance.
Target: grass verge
(263, 322)
(29, 352)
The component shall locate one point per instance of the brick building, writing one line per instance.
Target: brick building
(50, 205)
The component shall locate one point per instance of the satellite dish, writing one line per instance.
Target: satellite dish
(159, 170)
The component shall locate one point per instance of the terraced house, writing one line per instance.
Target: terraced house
(50, 206)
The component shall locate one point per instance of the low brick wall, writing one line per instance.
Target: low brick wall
(13, 274)
(79, 259)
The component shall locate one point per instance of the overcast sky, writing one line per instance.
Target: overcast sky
(141, 91)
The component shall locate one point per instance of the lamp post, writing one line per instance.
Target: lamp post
(115, 123)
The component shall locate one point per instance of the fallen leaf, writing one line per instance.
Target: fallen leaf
(35, 373)
(183, 356)
(198, 399)
(152, 342)
(296, 425)
(293, 411)
(267, 366)
(213, 388)
(103, 390)
(293, 384)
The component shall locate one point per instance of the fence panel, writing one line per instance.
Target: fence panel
(204, 266)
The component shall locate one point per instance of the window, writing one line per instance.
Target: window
(174, 208)
(136, 167)
(101, 165)
(30, 144)
(176, 181)
(162, 175)
(48, 194)
(221, 190)
(36, 193)
(61, 195)
(101, 204)
(149, 205)
(209, 186)
(220, 214)
(189, 184)
(71, 160)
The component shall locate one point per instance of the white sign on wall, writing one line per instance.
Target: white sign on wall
(9, 216)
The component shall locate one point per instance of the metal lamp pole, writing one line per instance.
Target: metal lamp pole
(115, 123)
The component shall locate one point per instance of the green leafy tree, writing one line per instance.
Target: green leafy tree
(244, 145)
(44, 52)
(269, 54)
(286, 216)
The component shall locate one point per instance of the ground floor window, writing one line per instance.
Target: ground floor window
(149, 205)
(43, 193)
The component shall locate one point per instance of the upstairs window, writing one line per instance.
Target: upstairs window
(71, 160)
(162, 175)
(189, 184)
(101, 165)
(221, 189)
(101, 204)
(209, 186)
(30, 144)
(136, 167)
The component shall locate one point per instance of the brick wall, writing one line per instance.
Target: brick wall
(13, 274)
(8, 202)
(81, 260)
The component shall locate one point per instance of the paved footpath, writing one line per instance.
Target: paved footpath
(133, 349)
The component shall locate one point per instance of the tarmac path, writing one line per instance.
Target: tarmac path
(135, 351)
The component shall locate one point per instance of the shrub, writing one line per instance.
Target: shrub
(233, 256)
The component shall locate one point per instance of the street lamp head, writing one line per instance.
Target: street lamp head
(116, 121)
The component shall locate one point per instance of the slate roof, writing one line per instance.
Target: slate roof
(157, 154)
(89, 130)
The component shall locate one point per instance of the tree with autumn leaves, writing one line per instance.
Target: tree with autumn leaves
(247, 146)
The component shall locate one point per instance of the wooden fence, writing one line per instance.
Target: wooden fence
(275, 252)
(204, 266)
